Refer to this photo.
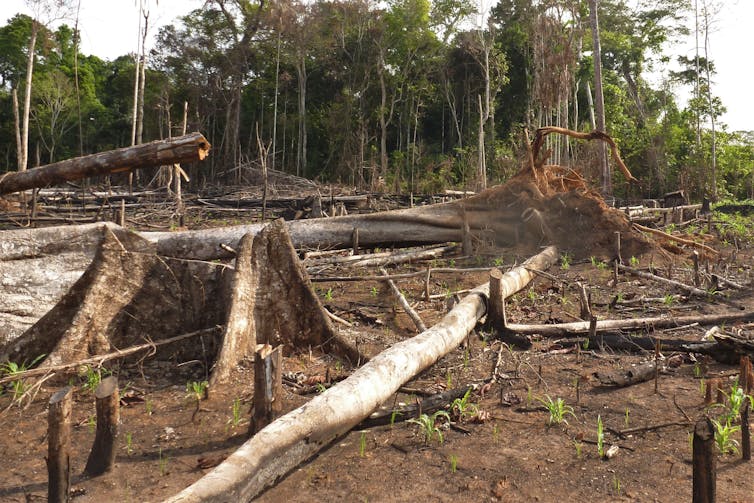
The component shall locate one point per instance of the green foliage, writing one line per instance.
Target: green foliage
(196, 390)
(363, 444)
(724, 436)
(565, 261)
(462, 408)
(558, 410)
(9, 369)
(429, 426)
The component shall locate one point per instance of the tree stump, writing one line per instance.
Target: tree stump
(59, 446)
(102, 456)
(704, 468)
(268, 386)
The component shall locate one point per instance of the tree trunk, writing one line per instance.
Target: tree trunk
(301, 156)
(27, 96)
(599, 98)
(300, 434)
(189, 148)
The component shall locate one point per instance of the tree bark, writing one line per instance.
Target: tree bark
(298, 435)
(188, 148)
(599, 98)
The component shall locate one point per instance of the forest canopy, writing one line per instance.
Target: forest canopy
(403, 95)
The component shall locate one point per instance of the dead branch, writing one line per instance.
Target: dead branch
(594, 135)
(404, 304)
(100, 359)
(670, 237)
(691, 290)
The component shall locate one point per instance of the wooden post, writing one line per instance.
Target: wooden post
(355, 240)
(745, 432)
(695, 256)
(59, 446)
(496, 310)
(657, 365)
(102, 456)
(711, 385)
(593, 331)
(122, 213)
(704, 469)
(426, 284)
(617, 247)
(268, 386)
(586, 308)
(743, 373)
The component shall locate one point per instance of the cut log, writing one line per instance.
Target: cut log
(582, 327)
(298, 435)
(188, 148)
(691, 290)
(634, 375)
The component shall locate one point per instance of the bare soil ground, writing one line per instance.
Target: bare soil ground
(507, 451)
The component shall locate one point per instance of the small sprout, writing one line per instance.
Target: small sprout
(328, 295)
(428, 425)
(557, 409)
(723, 436)
(600, 438)
(668, 300)
(453, 463)
(498, 262)
(616, 483)
(578, 445)
(626, 420)
(634, 261)
(565, 261)
(449, 379)
(236, 419)
(129, 443)
(462, 408)
(363, 444)
(373, 291)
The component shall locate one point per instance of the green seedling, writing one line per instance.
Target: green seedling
(724, 437)
(633, 261)
(616, 484)
(449, 379)
(452, 262)
(578, 446)
(462, 408)
(93, 377)
(668, 300)
(600, 438)
(565, 261)
(703, 387)
(697, 370)
(453, 463)
(149, 406)
(393, 416)
(10, 369)
(495, 433)
(236, 419)
(163, 463)
(328, 295)
(129, 443)
(373, 291)
(91, 422)
(196, 390)
(428, 425)
(363, 444)
(736, 399)
(498, 262)
(585, 345)
(557, 409)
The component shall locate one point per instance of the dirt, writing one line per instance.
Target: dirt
(508, 452)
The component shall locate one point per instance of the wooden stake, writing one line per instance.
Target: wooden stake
(59, 446)
(586, 308)
(466, 231)
(657, 365)
(426, 284)
(122, 213)
(711, 385)
(695, 256)
(743, 373)
(355, 240)
(745, 432)
(268, 387)
(704, 469)
(102, 456)
(496, 313)
(617, 247)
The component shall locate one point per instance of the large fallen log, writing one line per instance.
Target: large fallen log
(189, 148)
(298, 435)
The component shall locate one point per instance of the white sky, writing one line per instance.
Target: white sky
(110, 29)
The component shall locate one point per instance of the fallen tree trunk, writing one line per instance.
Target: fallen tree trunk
(298, 435)
(582, 327)
(188, 148)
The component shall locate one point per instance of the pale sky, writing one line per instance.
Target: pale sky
(109, 29)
